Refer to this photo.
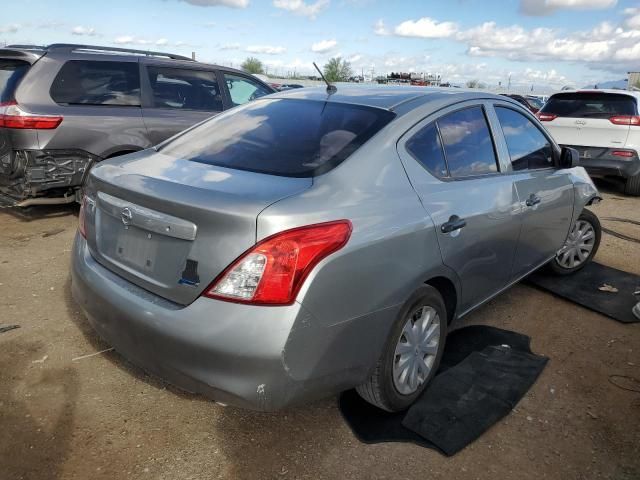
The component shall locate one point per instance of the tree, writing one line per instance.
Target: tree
(337, 70)
(252, 65)
(473, 84)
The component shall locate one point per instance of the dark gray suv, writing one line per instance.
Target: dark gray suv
(65, 107)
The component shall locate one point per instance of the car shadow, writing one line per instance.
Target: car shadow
(36, 413)
(295, 441)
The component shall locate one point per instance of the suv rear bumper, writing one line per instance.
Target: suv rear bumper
(600, 162)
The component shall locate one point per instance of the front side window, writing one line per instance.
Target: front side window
(243, 89)
(87, 82)
(467, 143)
(528, 147)
(184, 89)
(287, 137)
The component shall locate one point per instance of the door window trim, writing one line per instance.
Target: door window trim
(433, 118)
(500, 134)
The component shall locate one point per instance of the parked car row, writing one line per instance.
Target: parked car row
(63, 108)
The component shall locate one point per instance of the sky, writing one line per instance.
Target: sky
(535, 42)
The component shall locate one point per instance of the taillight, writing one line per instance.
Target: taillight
(546, 117)
(14, 117)
(272, 272)
(625, 120)
(82, 215)
(624, 153)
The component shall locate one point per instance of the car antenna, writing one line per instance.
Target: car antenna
(330, 88)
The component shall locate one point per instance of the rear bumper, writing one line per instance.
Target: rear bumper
(242, 355)
(600, 162)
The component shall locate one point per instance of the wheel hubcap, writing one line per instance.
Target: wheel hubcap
(578, 246)
(416, 350)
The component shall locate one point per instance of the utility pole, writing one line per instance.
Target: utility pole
(193, 55)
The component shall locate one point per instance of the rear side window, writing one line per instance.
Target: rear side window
(287, 137)
(184, 89)
(528, 147)
(425, 147)
(243, 89)
(590, 105)
(11, 72)
(468, 146)
(82, 82)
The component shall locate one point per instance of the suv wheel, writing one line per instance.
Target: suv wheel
(412, 354)
(632, 185)
(581, 245)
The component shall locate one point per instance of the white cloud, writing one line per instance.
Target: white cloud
(219, 3)
(229, 46)
(323, 46)
(425, 27)
(380, 29)
(162, 41)
(266, 49)
(547, 7)
(300, 7)
(81, 30)
(12, 28)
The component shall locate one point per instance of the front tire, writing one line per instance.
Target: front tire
(580, 247)
(411, 355)
(632, 185)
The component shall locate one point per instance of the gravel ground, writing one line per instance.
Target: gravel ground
(99, 417)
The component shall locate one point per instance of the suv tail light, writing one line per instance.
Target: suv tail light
(624, 153)
(625, 120)
(546, 117)
(14, 117)
(272, 272)
(82, 217)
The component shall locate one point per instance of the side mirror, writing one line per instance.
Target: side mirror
(569, 157)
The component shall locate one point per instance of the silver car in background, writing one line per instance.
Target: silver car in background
(307, 243)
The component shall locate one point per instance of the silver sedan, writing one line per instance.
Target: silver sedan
(314, 241)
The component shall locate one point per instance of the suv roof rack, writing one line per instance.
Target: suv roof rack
(70, 47)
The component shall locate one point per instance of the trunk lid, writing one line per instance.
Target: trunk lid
(171, 226)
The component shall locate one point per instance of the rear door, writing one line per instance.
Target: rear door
(545, 192)
(588, 118)
(176, 98)
(452, 163)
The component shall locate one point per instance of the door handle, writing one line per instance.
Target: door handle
(454, 223)
(533, 200)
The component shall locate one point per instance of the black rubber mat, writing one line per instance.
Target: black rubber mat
(583, 288)
(484, 372)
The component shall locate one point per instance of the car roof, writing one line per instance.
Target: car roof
(629, 93)
(384, 96)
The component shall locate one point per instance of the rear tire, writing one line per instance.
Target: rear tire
(415, 344)
(632, 185)
(573, 255)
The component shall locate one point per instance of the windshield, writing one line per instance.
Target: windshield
(287, 137)
(590, 105)
(11, 72)
(536, 102)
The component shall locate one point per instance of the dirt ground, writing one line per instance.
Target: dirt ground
(101, 418)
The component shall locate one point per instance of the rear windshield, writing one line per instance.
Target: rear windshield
(287, 137)
(590, 105)
(11, 72)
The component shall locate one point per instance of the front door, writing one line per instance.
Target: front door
(177, 98)
(545, 192)
(452, 164)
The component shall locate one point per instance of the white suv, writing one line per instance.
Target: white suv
(604, 126)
